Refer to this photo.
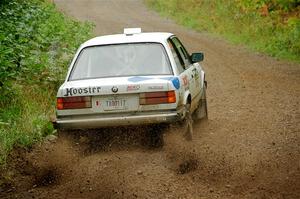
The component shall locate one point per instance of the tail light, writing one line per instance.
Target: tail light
(73, 102)
(157, 98)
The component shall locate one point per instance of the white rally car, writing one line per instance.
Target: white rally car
(133, 78)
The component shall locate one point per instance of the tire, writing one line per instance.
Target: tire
(201, 112)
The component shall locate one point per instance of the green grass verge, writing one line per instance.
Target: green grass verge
(37, 43)
(272, 27)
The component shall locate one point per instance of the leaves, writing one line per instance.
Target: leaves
(36, 45)
(33, 36)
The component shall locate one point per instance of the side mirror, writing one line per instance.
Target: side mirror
(197, 57)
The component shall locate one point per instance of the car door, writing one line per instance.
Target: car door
(190, 74)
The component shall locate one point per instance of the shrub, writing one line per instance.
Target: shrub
(36, 45)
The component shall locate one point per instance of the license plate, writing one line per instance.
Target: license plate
(115, 104)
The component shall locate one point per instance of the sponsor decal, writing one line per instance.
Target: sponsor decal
(157, 87)
(196, 73)
(185, 80)
(176, 82)
(80, 91)
(133, 87)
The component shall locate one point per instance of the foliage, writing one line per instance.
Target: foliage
(271, 26)
(274, 5)
(36, 45)
(35, 42)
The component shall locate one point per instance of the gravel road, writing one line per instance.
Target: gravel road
(249, 147)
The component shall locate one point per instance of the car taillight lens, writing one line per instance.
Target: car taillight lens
(157, 98)
(73, 102)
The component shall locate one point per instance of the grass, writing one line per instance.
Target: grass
(26, 118)
(37, 43)
(275, 31)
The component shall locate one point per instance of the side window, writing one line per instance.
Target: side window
(178, 60)
(182, 51)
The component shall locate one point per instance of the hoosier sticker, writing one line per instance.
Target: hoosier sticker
(79, 91)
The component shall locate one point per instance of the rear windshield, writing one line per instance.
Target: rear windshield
(121, 60)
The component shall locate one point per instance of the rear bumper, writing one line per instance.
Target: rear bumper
(110, 120)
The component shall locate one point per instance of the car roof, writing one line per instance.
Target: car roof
(157, 37)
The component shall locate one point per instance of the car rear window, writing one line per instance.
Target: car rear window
(121, 60)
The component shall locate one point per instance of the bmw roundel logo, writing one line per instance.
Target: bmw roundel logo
(114, 89)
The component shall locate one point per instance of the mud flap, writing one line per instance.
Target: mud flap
(188, 130)
(201, 111)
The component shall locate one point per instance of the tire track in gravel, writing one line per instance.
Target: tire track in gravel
(249, 148)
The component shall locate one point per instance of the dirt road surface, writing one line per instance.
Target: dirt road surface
(249, 147)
